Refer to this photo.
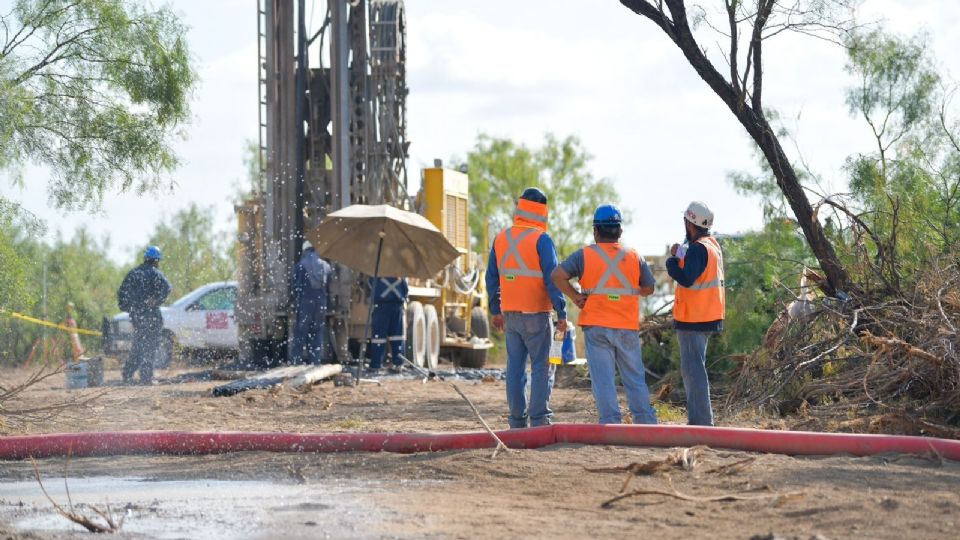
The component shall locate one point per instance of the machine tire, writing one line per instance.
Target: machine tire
(416, 333)
(479, 323)
(433, 336)
(479, 327)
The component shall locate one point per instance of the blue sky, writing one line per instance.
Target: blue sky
(518, 70)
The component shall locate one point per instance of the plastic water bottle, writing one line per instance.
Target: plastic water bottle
(562, 350)
(568, 352)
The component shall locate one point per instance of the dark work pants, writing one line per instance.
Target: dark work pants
(310, 333)
(147, 331)
(387, 328)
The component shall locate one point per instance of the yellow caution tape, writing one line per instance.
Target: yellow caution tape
(41, 322)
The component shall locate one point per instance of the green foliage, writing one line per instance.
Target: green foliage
(77, 270)
(15, 270)
(762, 272)
(193, 252)
(500, 169)
(904, 191)
(95, 90)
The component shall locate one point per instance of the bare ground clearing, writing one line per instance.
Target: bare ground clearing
(534, 493)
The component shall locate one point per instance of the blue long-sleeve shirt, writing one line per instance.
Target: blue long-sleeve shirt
(547, 253)
(694, 263)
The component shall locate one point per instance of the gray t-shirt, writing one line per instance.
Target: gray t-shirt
(573, 265)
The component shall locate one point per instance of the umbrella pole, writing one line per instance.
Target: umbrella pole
(366, 332)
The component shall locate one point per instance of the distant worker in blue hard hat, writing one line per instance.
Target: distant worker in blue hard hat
(310, 294)
(141, 294)
(613, 278)
(698, 307)
(521, 297)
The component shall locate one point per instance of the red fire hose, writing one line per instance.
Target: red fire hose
(196, 443)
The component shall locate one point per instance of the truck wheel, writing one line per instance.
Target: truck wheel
(166, 353)
(479, 327)
(433, 336)
(416, 333)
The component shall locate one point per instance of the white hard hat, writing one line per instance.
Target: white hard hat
(698, 214)
(306, 245)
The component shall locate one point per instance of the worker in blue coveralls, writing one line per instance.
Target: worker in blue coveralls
(311, 280)
(389, 299)
(142, 292)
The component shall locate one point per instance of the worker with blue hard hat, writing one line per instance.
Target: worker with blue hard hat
(142, 292)
(613, 278)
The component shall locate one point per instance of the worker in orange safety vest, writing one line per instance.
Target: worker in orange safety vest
(613, 278)
(698, 306)
(521, 298)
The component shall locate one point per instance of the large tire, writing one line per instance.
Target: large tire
(479, 327)
(433, 336)
(416, 334)
(479, 323)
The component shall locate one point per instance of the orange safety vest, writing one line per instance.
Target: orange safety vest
(521, 280)
(705, 300)
(611, 281)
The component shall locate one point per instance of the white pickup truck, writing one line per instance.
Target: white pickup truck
(201, 320)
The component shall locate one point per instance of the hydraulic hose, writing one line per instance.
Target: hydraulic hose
(113, 443)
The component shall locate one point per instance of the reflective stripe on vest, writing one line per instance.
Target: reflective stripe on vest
(613, 270)
(611, 279)
(522, 288)
(531, 211)
(704, 300)
(513, 250)
(392, 286)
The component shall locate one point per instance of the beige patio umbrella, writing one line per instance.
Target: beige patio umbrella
(382, 241)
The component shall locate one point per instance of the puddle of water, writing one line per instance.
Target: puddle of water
(202, 509)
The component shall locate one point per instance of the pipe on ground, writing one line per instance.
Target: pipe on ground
(113, 443)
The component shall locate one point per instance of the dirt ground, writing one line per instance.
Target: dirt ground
(466, 494)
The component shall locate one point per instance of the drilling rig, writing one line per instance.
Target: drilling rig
(335, 135)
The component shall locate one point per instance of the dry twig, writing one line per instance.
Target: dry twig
(692, 498)
(500, 445)
(87, 523)
(733, 468)
(684, 458)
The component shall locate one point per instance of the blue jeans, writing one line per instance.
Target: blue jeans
(529, 334)
(693, 367)
(613, 348)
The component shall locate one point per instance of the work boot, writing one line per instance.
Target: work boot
(373, 372)
(396, 370)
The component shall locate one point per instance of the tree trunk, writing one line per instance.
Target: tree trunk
(755, 123)
(769, 144)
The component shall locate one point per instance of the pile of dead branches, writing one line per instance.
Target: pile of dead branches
(886, 364)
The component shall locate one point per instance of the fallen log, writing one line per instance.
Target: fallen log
(314, 375)
(276, 377)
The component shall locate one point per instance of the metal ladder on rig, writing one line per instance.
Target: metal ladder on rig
(261, 94)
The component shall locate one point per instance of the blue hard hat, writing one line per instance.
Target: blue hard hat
(152, 253)
(607, 215)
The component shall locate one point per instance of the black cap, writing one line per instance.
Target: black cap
(535, 195)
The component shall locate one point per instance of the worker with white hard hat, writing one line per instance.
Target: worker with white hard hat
(698, 307)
